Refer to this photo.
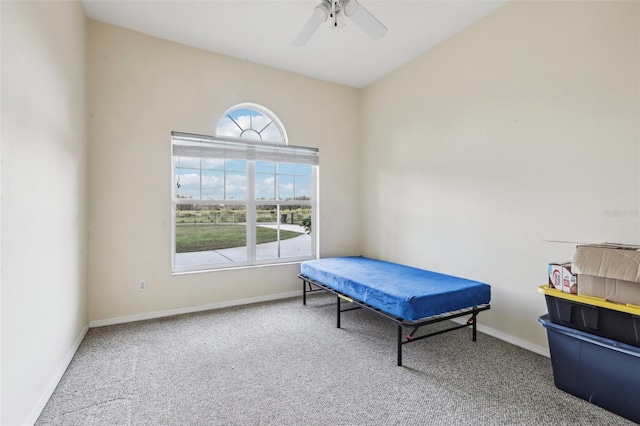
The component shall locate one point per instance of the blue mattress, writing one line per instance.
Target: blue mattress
(402, 291)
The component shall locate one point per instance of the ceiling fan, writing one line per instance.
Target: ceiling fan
(336, 10)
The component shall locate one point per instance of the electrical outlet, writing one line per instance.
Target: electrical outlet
(142, 285)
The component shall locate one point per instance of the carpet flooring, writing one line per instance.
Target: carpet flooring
(282, 363)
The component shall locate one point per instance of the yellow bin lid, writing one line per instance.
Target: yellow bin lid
(589, 300)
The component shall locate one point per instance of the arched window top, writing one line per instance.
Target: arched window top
(251, 122)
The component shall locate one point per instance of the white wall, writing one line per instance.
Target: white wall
(44, 244)
(140, 89)
(521, 128)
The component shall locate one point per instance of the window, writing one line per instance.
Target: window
(243, 197)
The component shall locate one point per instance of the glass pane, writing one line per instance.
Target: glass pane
(267, 215)
(210, 234)
(240, 112)
(251, 134)
(236, 165)
(226, 127)
(298, 222)
(187, 162)
(265, 186)
(303, 170)
(303, 188)
(212, 185)
(213, 163)
(296, 215)
(260, 122)
(285, 169)
(265, 167)
(285, 187)
(280, 232)
(236, 186)
(187, 183)
(272, 134)
(242, 116)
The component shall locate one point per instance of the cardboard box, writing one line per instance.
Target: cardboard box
(618, 291)
(555, 275)
(561, 278)
(569, 281)
(609, 271)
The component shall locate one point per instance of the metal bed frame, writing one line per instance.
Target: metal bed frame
(400, 323)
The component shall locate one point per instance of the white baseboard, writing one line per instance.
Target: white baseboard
(53, 383)
(540, 350)
(191, 309)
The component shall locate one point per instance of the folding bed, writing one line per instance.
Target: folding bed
(406, 296)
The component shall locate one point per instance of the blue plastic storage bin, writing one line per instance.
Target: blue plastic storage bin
(609, 323)
(602, 371)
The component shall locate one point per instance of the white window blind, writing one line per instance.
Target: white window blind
(192, 145)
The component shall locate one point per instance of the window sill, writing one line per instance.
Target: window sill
(207, 268)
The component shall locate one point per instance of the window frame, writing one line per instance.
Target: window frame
(250, 204)
(260, 109)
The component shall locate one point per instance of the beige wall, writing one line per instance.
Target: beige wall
(523, 127)
(44, 244)
(141, 88)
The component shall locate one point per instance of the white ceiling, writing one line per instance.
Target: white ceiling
(262, 31)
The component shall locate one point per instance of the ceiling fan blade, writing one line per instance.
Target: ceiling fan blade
(364, 19)
(320, 15)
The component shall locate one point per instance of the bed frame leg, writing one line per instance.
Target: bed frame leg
(399, 338)
(475, 321)
(304, 292)
(337, 311)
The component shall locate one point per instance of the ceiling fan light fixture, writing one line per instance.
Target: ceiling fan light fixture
(337, 9)
(322, 11)
(349, 7)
